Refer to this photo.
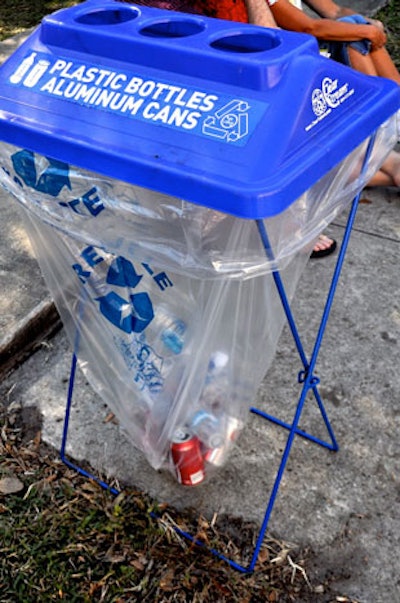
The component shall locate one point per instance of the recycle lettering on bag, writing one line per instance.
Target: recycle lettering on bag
(131, 314)
(144, 362)
(90, 201)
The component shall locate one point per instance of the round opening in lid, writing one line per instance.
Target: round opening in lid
(240, 42)
(109, 16)
(172, 28)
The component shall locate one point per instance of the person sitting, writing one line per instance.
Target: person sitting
(281, 13)
(353, 39)
(357, 40)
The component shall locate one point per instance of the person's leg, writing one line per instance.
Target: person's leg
(361, 62)
(377, 62)
(384, 65)
(391, 167)
(389, 174)
(381, 179)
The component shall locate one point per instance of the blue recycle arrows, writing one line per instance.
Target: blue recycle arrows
(129, 316)
(51, 181)
(123, 274)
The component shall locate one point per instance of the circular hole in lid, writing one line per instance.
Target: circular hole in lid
(247, 42)
(172, 28)
(108, 16)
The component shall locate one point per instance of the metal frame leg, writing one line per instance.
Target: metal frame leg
(67, 415)
(306, 377)
(106, 486)
(65, 432)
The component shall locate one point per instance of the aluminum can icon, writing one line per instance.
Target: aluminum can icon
(36, 73)
(187, 458)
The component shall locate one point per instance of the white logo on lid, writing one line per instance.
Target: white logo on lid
(332, 92)
(318, 102)
(330, 96)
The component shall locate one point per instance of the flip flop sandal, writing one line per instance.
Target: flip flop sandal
(322, 253)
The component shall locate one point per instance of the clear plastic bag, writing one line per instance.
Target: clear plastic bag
(175, 234)
(187, 355)
(171, 307)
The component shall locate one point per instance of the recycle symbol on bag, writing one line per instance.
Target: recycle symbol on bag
(129, 316)
(50, 181)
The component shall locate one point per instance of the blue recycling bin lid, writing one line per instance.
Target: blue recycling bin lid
(234, 117)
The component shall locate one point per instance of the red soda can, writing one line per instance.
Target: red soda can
(187, 457)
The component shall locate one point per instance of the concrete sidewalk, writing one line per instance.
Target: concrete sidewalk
(345, 505)
(27, 313)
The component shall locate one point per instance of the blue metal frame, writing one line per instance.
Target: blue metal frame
(306, 377)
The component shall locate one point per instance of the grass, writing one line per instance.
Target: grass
(64, 538)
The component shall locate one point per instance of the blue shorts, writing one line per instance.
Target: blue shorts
(338, 50)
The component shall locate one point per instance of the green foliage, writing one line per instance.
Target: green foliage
(17, 15)
(390, 16)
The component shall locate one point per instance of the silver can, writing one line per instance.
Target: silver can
(218, 456)
(208, 429)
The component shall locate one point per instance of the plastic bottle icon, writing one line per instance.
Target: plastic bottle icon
(22, 69)
(36, 73)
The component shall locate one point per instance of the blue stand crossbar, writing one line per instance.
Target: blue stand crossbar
(306, 377)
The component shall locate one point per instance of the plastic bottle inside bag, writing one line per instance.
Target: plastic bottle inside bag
(215, 394)
(208, 428)
(167, 332)
(214, 422)
(23, 68)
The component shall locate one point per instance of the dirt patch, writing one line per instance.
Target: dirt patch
(65, 538)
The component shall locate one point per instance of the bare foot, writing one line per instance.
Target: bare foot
(323, 247)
